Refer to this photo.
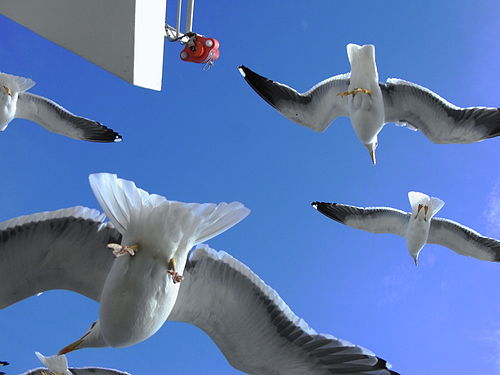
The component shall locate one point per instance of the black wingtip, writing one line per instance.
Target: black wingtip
(261, 85)
(329, 209)
(383, 364)
(244, 70)
(3, 363)
(316, 204)
(101, 133)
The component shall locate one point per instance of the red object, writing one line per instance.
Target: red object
(200, 50)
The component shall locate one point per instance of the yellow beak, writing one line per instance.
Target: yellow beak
(372, 155)
(71, 347)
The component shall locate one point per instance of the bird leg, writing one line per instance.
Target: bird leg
(418, 210)
(426, 210)
(7, 90)
(119, 250)
(176, 277)
(355, 91)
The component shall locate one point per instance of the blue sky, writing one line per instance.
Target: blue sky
(207, 137)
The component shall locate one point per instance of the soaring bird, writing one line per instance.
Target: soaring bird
(371, 104)
(253, 327)
(58, 365)
(15, 102)
(418, 226)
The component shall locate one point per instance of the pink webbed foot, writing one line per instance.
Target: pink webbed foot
(176, 277)
(120, 250)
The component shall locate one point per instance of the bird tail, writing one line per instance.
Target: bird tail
(436, 205)
(57, 364)
(416, 199)
(131, 210)
(362, 60)
(16, 83)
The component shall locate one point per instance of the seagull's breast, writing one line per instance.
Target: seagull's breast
(137, 298)
(367, 113)
(416, 234)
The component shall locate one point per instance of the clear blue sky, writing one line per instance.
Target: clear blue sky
(207, 137)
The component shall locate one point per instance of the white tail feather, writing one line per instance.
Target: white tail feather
(118, 198)
(131, 210)
(435, 205)
(16, 83)
(219, 218)
(362, 60)
(57, 364)
(416, 199)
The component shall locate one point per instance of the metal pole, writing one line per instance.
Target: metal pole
(189, 16)
(179, 11)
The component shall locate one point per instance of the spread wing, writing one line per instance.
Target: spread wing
(255, 329)
(439, 120)
(64, 249)
(463, 240)
(371, 219)
(58, 120)
(314, 109)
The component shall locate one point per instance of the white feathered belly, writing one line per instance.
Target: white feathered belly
(416, 234)
(137, 298)
(367, 116)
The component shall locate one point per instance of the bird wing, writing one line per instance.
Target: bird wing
(58, 120)
(254, 328)
(64, 249)
(439, 120)
(314, 109)
(371, 219)
(463, 240)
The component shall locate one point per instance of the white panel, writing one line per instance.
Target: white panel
(149, 42)
(125, 37)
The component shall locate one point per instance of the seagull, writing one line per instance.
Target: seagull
(253, 327)
(371, 105)
(418, 226)
(58, 365)
(15, 102)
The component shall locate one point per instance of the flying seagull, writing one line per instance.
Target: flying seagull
(253, 327)
(15, 102)
(418, 226)
(371, 104)
(58, 365)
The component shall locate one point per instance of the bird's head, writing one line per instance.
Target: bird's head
(371, 147)
(415, 255)
(91, 339)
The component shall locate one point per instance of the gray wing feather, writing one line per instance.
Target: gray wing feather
(439, 120)
(371, 219)
(314, 109)
(58, 120)
(255, 329)
(463, 240)
(60, 252)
